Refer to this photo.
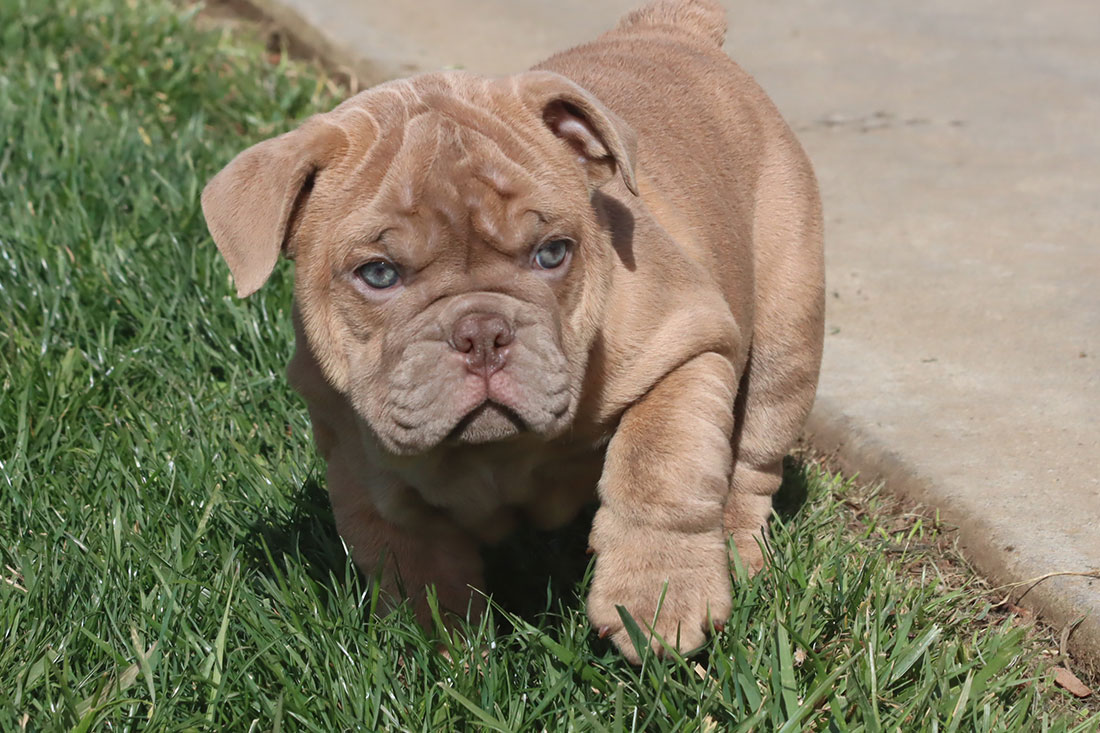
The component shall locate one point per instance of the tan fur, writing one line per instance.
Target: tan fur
(665, 368)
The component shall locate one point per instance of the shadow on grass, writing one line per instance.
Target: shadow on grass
(532, 572)
(529, 574)
(309, 533)
(794, 490)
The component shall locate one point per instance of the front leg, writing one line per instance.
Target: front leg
(424, 549)
(662, 493)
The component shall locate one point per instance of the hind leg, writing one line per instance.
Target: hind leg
(778, 385)
(769, 424)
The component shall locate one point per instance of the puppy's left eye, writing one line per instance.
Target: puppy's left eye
(379, 274)
(552, 254)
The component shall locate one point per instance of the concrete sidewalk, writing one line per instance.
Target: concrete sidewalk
(958, 150)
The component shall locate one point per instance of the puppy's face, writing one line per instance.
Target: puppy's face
(452, 296)
(450, 268)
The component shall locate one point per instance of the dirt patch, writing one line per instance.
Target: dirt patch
(249, 22)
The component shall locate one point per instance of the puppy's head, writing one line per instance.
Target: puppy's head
(450, 266)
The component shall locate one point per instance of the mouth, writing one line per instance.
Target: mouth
(489, 422)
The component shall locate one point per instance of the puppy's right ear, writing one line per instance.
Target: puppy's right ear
(251, 204)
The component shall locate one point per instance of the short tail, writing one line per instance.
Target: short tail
(703, 18)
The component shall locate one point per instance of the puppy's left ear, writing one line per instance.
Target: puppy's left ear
(251, 205)
(602, 141)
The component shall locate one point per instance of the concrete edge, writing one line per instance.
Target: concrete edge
(859, 452)
(361, 73)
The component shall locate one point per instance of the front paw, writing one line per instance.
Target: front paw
(637, 565)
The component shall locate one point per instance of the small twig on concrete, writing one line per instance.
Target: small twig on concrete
(1032, 582)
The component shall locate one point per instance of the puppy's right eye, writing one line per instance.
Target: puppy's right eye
(379, 274)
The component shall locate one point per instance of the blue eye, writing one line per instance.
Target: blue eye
(552, 254)
(379, 274)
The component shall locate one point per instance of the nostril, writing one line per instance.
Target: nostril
(462, 343)
(465, 335)
(501, 330)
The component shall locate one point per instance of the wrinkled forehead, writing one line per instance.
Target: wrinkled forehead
(462, 179)
(469, 160)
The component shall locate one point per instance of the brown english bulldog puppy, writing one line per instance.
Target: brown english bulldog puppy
(598, 279)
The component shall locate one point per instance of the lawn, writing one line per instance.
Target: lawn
(167, 555)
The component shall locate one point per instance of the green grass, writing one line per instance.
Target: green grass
(168, 559)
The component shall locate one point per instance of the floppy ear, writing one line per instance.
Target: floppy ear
(250, 205)
(602, 141)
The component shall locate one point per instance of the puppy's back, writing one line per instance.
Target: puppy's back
(703, 18)
(718, 167)
(705, 129)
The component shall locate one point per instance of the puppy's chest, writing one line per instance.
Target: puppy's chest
(491, 495)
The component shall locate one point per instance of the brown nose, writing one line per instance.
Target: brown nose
(483, 338)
